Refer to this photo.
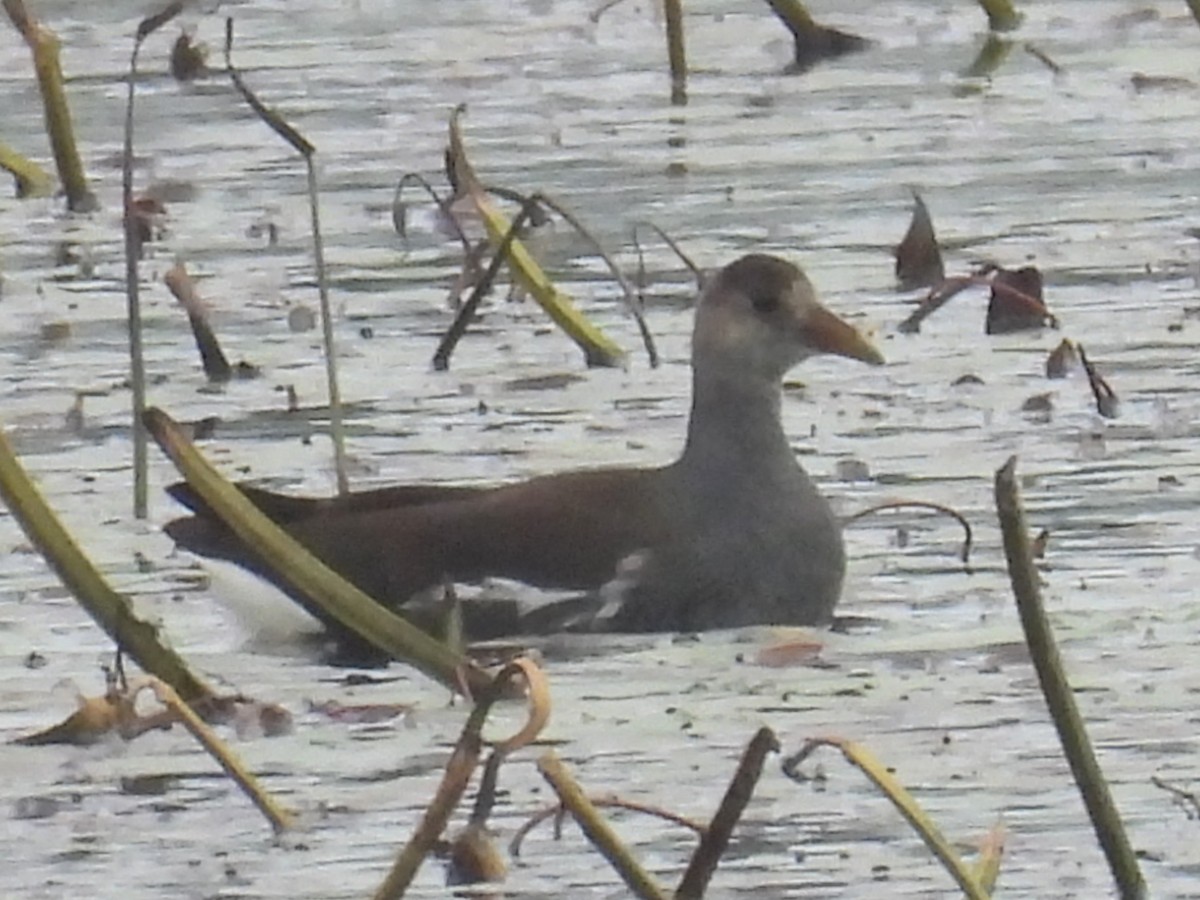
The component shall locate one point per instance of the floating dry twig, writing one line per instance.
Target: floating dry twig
(813, 42)
(306, 149)
(1072, 732)
(918, 257)
(603, 838)
(964, 554)
(280, 819)
(1042, 57)
(45, 47)
(715, 839)
(557, 812)
(1188, 799)
(1031, 308)
(858, 756)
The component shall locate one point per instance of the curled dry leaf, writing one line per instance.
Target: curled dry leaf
(1016, 301)
(537, 692)
(93, 720)
(918, 257)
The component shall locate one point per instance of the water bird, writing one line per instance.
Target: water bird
(732, 533)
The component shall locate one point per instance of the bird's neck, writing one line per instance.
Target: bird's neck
(735, 424)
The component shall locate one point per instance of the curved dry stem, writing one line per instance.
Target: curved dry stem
(879, 775)
(715, 839)
(598, 831)
(554, 810)
(306, 149)
(965, 553)
(696, 271)
(632, 299)
(537, 693)
(595, 14)
(940, 294)
(443, 205)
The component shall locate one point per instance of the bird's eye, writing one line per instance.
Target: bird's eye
(764, 301)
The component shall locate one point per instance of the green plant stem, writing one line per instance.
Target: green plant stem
(1046, 660)
(110, 610)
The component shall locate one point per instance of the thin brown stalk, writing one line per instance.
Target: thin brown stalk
(466, 312)
(399, 212)
(1072, 732)
(306, 149)
(707, 855)
(696, 271)
(598, 831)
(133, 255)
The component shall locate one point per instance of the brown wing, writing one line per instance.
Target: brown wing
(568, 531)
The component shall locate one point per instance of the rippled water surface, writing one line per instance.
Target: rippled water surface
(1077, 172)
